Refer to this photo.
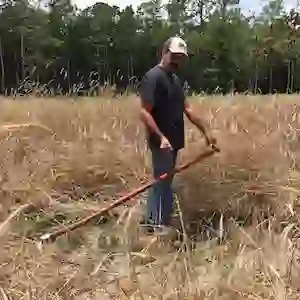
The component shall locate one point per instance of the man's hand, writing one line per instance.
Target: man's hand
(165, 144)
(149, 121)
(210, 140)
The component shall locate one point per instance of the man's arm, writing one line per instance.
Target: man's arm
(198, 123)
(147, 95)
(148, 119)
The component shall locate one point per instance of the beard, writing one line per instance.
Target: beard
(174, 65)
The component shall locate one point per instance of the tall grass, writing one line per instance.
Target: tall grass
(61, 160)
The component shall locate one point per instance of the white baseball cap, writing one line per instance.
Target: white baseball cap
(178, 45)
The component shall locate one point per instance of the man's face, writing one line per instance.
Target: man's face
(173, 60)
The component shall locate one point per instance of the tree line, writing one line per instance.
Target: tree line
(55, 48)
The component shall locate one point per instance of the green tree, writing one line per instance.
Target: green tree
(65, 50)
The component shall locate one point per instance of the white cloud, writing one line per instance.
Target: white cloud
(253, 5)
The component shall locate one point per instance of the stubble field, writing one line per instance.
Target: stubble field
(238, 209)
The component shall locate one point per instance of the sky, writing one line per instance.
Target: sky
(246, 5)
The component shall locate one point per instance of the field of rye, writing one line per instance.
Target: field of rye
(238, 210)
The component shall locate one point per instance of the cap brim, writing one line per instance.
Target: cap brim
(178, 51)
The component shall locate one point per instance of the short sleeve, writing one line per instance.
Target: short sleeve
(147, 89)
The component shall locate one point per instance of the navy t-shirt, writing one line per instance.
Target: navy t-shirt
(164, 92)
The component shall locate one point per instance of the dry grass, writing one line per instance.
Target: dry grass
(61, 159)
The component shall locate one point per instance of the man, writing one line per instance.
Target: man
(163, 105)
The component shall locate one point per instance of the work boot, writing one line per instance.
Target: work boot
(166, 232)
(146, 227)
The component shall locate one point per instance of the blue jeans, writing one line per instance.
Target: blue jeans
(160, 199)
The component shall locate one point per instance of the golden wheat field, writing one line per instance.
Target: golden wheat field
(61, 160)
